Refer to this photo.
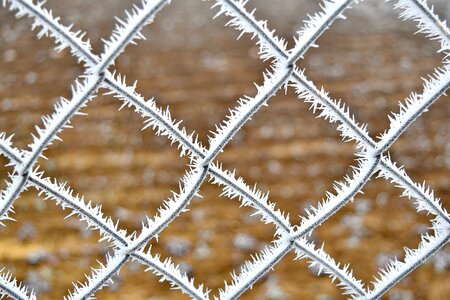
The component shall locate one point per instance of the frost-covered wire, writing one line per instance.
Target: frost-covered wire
(396, 270)
(13, 189)
(128, 31)
(123, 34)
(271, 47)
(64, 110)
(109, 231)
(251, 272)
(166, 270)
(162, 117)
(157, 118)
(12, 288)
(427, 21)
(313, 30)
(337, 111)
(244, 112)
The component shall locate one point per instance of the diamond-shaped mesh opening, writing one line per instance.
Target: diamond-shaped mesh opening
(376, 68)
(292, 156)
(357, 235)
(201, 84)
(424, 149)
(32, 81)
(214, 238)
(437, 267)
(103, 158)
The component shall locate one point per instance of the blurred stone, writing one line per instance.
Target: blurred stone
(245, 242)
(315, 270)
(9, 55)
(123, 213)
(266, 132)
(441, 261)
(39, 205)
(31, 77)
(250, 218)
(202, 251)
(186, 268)
(36, 281)
(37, 256)
(323, 297)
(198, 215)
(177, 246)
(26, 231)
(84, 231)
(353, 241)
(7, 104)
(355, 224)
(362, 206)
(383, 259)
(274, 290)
(205, 234)
(134, 266)
(381, 199)
(401, 295)
(274, 167)
(420, 229)
(115, 284)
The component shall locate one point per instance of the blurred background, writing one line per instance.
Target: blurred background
(195, 66)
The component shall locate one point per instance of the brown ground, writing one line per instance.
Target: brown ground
(200, 71)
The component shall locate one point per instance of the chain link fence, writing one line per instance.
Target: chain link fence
(373, 159)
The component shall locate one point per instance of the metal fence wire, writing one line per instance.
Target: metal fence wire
(372, 153)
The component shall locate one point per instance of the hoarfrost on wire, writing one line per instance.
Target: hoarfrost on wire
(283, 73)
